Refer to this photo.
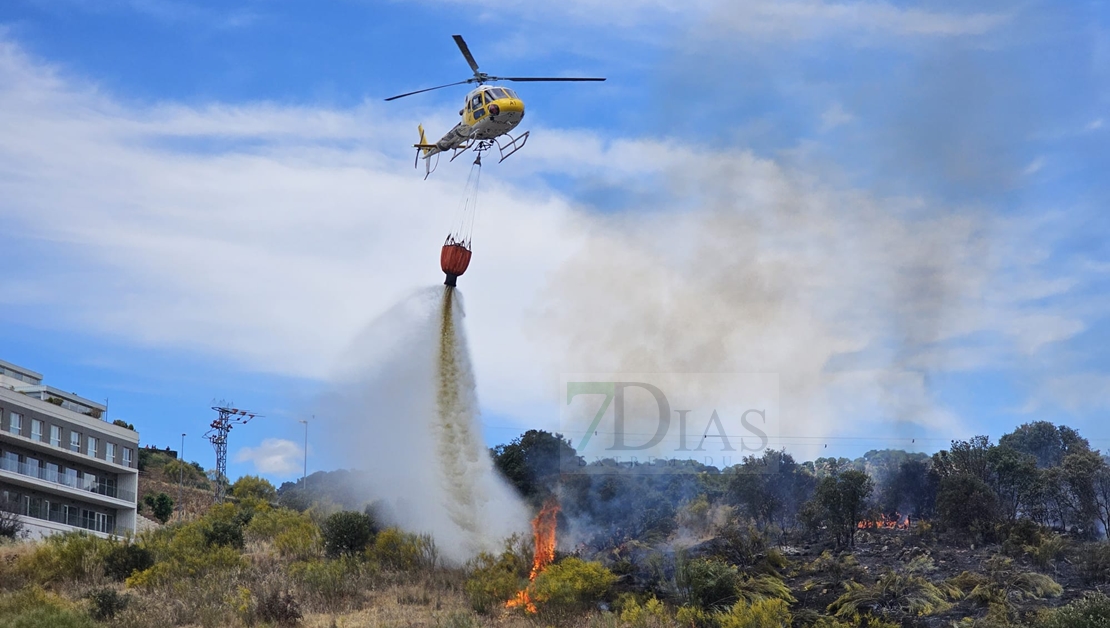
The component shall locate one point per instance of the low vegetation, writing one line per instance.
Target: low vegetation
(886, 540)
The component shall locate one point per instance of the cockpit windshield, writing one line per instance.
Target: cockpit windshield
(509, 93)
(497, 93)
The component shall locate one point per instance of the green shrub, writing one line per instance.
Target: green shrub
(572, 584)
(125, 559)
(254, 486)
(1093, 611)
(709, 584)
(1048, 550)
(693, 617)
(769, 613)
(346, 533)
(34, 608)
(650, 614)
(1004, 583)
(332, 582)
(161, 506)
(106, 603)
(69, 556)
(401, 551)
(1093, 560)
(293, 534)
(893, 595)
(836, 568)
(182, 553)
(491, 581)
(224, 534)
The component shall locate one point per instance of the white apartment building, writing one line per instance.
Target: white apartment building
(62, 466)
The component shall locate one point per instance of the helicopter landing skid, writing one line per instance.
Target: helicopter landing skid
(506, 150)
(512, 145)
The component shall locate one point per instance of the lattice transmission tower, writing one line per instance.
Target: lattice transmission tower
(217, 435)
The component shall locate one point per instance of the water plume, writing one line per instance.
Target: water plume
(405, 410)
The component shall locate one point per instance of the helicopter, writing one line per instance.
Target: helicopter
(489, 114)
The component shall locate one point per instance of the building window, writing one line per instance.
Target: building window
(36, 429)
(75, 441)
(109, 451)
(55, 436)
(91, 450)
(15, 425)
(127, 456)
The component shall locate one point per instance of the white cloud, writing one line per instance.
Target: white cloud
(274, 456)
(795, 19)
(1094, 125)
(1034, 166)
(835, 116)
(274, 234)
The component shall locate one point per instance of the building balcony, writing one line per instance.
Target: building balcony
(100, 492)
(61, 522)
(66, 453)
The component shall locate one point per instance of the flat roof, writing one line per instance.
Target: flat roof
(20, 369)
(63, 394)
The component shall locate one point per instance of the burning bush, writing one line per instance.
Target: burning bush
(573, 584)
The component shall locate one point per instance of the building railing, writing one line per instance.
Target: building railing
(49, 475)
(73, 517)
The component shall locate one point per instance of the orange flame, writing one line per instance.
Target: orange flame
(543, 531)
(896, 522)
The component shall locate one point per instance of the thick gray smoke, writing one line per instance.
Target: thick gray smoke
(404, 409)
(848, 297)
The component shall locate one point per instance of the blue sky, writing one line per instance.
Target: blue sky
(899, 206)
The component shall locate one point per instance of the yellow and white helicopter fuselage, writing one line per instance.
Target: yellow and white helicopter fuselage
(489, 113)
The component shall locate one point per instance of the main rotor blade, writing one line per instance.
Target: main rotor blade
(536, 78)
(421, 91)
(466, 53)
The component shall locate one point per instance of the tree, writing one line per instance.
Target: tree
(966, 504)
(1013, 478)
(253, 486)
(841, 500)
(11, 526)
(347, 533)
(1045, 442)
(771, 488)
(965, 457)
(124, 424)
(161, 506)
(1080, 475)
(912, 489)
(533, 461)
(1102, 495)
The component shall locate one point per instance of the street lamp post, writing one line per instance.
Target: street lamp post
(304, 476)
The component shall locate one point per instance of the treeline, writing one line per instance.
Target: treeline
(1040, 473)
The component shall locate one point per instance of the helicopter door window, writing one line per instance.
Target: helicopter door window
(476, 101)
